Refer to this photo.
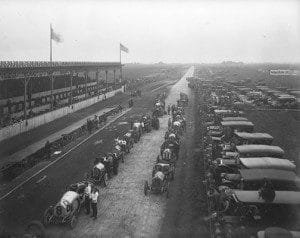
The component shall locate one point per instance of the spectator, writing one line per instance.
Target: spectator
(94, 201)
(87, 197)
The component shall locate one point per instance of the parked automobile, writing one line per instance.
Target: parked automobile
(259, 151)
(167, 169)
(67, 209)
(253, 179)
(274, 232)
(99, 174)
(243, 138)
(159, 184)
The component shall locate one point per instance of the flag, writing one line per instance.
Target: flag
(55, 36)
(123, 48)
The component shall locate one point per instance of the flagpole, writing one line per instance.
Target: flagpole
(51, 98)
(50, 44)
(120, 63)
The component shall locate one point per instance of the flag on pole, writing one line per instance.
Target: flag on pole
(55, 36)
(123, 48)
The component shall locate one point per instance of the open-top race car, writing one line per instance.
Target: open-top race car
(146, 119)
(68, 207)
(159, 184)
(167, 169)
(128, 137)
(155, 122)
(169, 151)
(183, 99)
(110, 162)
(137, 130)
(121, 144)
(99, 174)
(158, 109)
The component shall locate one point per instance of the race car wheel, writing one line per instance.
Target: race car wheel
(224, 205)
(35, 229)
(105, 180)
(116, 169)
(146, 188)
(167, 188)
(172, 176)
(73, 222)
(47, 216)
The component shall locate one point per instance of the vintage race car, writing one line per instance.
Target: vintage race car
(167, 169)
(155, 122)
(137, 130)
(99, 174)
(183, 99)
(146, 119)
(128, 137)
(159, 184)
(158, 109)
(111, 164)
(125, 147)
(67, 209)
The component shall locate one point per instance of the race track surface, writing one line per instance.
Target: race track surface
(123, 210)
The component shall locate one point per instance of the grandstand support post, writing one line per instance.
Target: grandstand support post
(98, 85)
(85, 82)
(121, 74)
(51, 98)
(114, 76)
(106, 72)
(25, 82)
(71, 88)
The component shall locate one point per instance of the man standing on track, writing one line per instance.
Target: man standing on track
(94, 200)
(87, 198)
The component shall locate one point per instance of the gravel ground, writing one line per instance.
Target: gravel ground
(187, 206)
(124, 211)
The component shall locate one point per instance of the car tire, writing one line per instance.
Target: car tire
(105, 180)
(116, 169)
(36, 229)
(47, 216)
(168, 193)
(172, 176)
(73, 222)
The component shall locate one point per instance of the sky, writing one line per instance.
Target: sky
(199, 31)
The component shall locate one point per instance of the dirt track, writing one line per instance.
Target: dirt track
(32, 199)
(124, 211)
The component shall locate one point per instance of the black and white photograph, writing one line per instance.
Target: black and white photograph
(149, 119)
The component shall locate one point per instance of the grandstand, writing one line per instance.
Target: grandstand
(32, 88)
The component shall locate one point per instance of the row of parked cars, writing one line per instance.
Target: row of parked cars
(252, 189)
(68, 208)
(164, 168)
(280, 98)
